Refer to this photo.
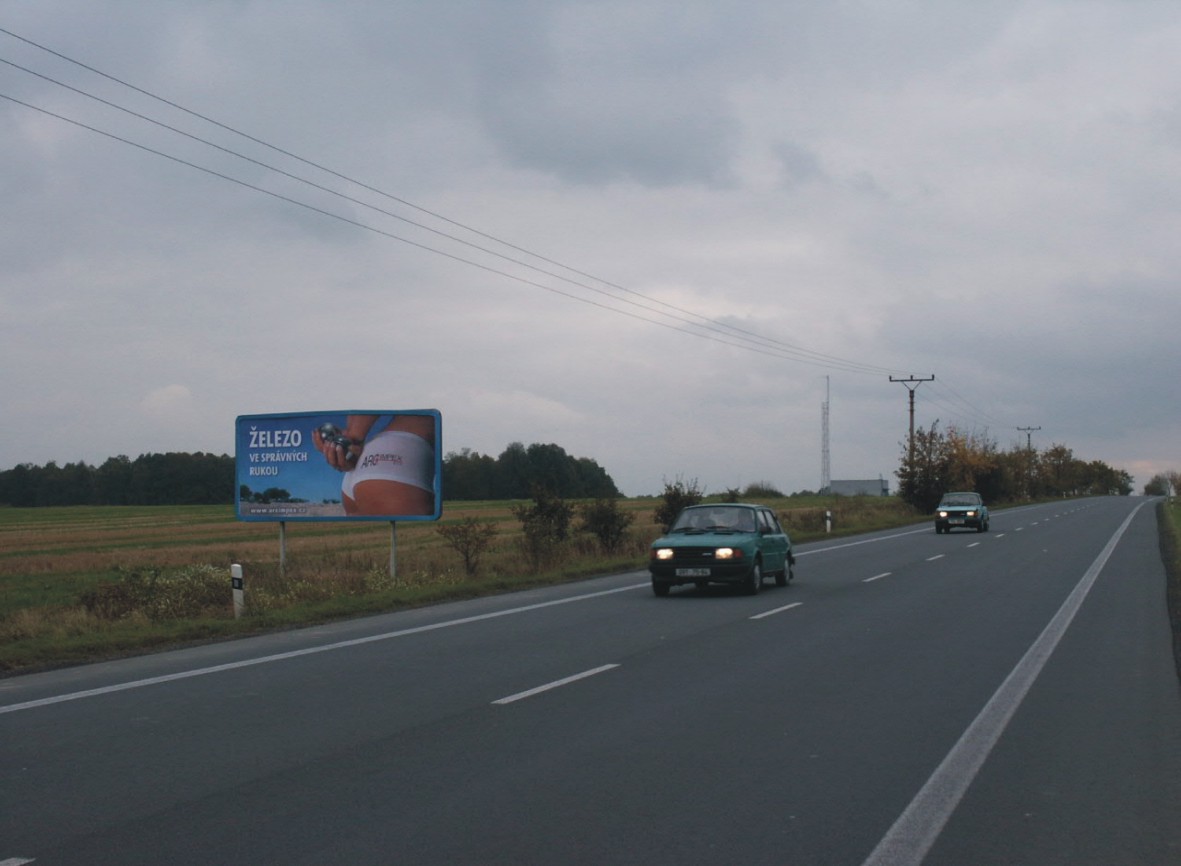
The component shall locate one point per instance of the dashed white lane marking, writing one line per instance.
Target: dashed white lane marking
(16, 861)
(777, 610)
(935, 557)
(877, 577)
(863, 541)
(974, 544)
(555, 684)
(921, 823)
(344, 644)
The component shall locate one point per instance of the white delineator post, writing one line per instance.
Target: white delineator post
(238, 586)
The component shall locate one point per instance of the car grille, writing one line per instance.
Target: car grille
(693, 555)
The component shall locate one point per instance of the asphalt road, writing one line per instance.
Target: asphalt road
(1005, 697)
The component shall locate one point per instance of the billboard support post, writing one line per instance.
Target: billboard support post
(282, 548)
(393, 550)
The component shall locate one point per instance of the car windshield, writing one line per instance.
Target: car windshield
(715, 518)
(962, 499)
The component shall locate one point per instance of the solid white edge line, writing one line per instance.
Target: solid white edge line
(777, 610)
(910, 839)
(555, 684)
(344, 644)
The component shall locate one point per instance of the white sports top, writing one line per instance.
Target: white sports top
(393, 455)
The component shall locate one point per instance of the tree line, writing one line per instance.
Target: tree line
(520, 471)
(938, 461)
(150, 479)
(1164, 484)
(208, 479)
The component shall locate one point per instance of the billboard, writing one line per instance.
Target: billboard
(339, 466)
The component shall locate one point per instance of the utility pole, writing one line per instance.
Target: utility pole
(1029, 431)
(912, 385)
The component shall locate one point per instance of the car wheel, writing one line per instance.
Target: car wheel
(754, 580)
(660, 589)
(782, 576)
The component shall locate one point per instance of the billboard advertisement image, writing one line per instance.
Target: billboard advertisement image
(339, 466)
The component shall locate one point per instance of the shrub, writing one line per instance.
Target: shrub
(605, 520)
(762, 490)
(546, 526)
(187, 592)
(109, 600)
(676, 496)
(470, 539)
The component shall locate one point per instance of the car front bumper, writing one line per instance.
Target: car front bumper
(959, 521)
(677, 573)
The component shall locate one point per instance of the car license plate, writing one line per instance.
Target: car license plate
(958, 521)
(692, 572)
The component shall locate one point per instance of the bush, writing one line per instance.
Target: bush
(188, 592)
(546, 526)
(676, 496)
(762, 490)
(605, 520)
(470, 539)
(109, 601)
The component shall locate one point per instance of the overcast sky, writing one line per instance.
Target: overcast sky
(650, 232)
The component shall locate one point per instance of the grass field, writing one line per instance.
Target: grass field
(1170, 535)
(81, 583)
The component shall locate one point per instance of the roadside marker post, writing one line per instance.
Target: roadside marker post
(238, 586)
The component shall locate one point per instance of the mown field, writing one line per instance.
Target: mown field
(82, 583)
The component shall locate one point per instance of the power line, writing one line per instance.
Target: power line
(770, 347)
(720, 331)
(962, 406)
(774, 347)
(679, 319)
(690, 323)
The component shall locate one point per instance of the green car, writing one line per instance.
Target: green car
(728, 543)
(965, 510)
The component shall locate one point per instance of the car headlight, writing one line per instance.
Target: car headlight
(727, 553)
(971, 514)
(943, 514)
(662, 553)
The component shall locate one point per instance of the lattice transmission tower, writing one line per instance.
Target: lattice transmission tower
(825, 468)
